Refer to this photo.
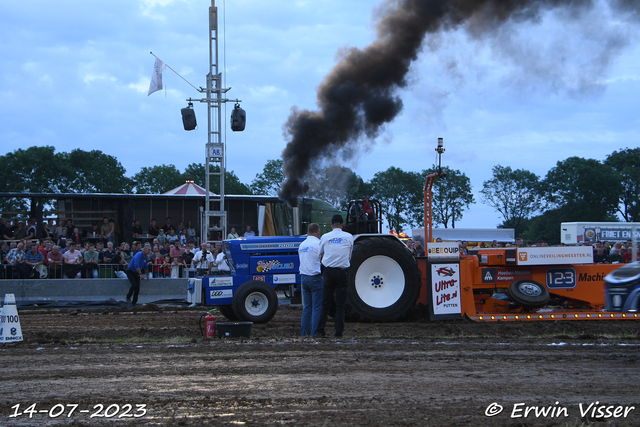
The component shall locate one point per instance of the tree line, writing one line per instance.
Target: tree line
(576, 189)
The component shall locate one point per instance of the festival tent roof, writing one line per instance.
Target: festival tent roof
(189, 188)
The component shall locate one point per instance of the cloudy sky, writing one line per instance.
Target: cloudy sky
(75, 74)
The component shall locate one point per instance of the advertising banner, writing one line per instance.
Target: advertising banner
(445, 289)
(555, 255)
(443, 250)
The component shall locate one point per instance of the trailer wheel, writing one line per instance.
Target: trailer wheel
(528, 293)
(227, 311)
(256, 302)
(384, 280)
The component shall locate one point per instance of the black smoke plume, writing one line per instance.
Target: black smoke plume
(359, 96)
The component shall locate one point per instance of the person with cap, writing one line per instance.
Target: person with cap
(311, 281)
(136, 270)
(335, 254)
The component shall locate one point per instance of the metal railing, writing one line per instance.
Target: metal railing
(103, 271)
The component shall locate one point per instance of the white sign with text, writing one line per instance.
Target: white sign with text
(445, 288)
(443, 250)
(555, 255)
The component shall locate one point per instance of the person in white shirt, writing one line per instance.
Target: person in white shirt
(203, 261)
(223, 265)
(335, 254)
(311, 278)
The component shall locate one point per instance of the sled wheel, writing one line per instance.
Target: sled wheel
(528, 293)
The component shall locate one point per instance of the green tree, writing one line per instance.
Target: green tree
(514, 194)
(545, 226)
(268, 182)
(626, 164)
(157, 179)
(583, 190)
(96, 172)
(33, 170)
(396, 190)
(451, 196)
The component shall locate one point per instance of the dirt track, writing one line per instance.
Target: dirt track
(414, 373)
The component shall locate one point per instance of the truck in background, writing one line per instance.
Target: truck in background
(575, 233)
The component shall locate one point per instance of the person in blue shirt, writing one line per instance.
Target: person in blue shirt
(136, 270)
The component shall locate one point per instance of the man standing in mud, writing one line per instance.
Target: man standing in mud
(335, 254)
(311, 278)
(137, 269)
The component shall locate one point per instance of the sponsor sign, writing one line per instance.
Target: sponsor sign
(284, 278)
(220, 293)
(489, 275)
(445, 288)
(242, 266)
(220, 281)
(591, 234)
(259, 278)
(555, 255)
(286, 264)
(510, 275)
(443, 250)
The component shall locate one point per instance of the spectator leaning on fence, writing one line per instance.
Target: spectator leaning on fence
(90, 266)
(32, 259)
(15, 258)
(72, 261)
(55, 260)
(615, 257)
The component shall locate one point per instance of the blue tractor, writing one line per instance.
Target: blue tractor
(384, 276)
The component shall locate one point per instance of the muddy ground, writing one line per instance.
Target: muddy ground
(415, 373)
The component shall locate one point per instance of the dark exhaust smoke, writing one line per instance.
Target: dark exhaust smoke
(359, 96)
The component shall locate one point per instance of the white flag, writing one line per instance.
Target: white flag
(156, 77)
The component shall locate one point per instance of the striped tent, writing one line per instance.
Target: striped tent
(189, 188)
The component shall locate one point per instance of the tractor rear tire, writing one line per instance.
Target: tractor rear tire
(256, 302)
(529, 293)
(227, 311)
(384, 280)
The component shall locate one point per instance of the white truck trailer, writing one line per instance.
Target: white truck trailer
(575, 233)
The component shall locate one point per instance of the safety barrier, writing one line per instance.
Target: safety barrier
(103, 271)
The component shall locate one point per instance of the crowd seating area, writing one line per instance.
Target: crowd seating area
(58, 249)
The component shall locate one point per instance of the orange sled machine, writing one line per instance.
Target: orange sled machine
(526, 284)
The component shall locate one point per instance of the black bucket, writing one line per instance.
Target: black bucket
(234, 329)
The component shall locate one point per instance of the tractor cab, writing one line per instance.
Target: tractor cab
(364, 216)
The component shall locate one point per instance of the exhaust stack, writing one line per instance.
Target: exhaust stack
(296, 221)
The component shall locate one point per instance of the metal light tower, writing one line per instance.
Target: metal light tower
(215, 152)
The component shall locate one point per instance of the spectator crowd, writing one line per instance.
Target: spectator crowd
(64, 251)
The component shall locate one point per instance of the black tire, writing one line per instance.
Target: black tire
(384, 280)
(528, 293)
(256, 302)
(227, 311)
